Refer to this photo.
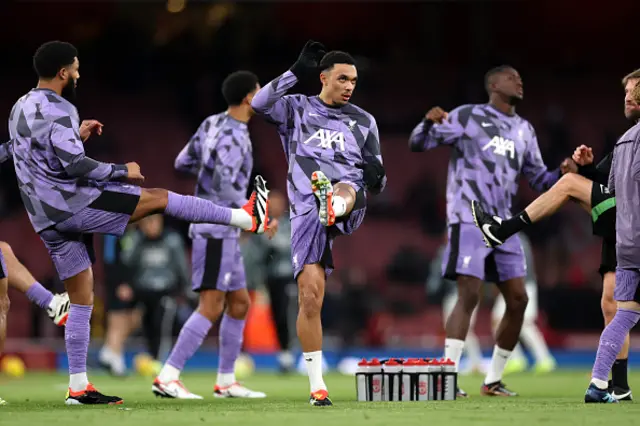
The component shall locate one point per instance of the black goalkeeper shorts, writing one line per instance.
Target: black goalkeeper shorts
(603, 212)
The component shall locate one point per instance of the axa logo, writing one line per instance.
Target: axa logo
(501, 146)
(327, 139)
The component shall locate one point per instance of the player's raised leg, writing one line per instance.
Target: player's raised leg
(57, 306)
(619, 385)
(4, 305)
(496, 230)
(334, 201)
(251, 217)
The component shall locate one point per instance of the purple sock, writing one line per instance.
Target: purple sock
(231, 336)
(191, 337)
(196, 210)
(611, 342)
(76, 337)
(39, 295)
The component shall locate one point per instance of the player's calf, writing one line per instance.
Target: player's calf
(252, 217)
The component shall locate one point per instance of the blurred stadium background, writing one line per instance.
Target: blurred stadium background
(151, 72)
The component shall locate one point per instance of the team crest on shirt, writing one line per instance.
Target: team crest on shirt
(501, 146)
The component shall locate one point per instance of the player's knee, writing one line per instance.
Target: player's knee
(310, 294)
(566, 182)
(157, 197)
(609, 308)
(518, 302)
(239, 308)
(468, 300)
(6, 249)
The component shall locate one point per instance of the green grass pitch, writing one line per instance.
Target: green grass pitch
(557, 398)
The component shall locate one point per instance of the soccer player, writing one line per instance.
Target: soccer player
(69, 197)
(221, 155)
(590, 190)
(623, 182)
(492, 147)
(333, 151)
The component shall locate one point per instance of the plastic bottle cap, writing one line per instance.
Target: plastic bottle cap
(363, 363)
(392, 362)
(374, 361)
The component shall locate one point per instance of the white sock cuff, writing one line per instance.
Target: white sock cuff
(601, 384)
(339, 205)
(501, 352)
(454, 343)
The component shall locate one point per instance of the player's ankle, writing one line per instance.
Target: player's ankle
(600, 384)
(339, 205)
(241, 219)
(169, 373)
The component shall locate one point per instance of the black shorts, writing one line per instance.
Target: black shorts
(608, 256)
(603, 212)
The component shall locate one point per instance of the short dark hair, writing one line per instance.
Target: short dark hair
(631, 76)
(52, 56)
(335, 57)
(493, 71)
(237, 86)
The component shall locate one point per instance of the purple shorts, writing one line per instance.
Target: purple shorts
(627, 281)
(467, 254)
(217, 264)
(3, 267)
(70, 242)
(311, 242)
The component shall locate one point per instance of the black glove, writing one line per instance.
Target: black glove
(372, 174)
(309, 59)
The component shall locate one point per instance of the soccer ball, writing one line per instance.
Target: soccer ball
(244, 366)
(12, 366)
(146, 366)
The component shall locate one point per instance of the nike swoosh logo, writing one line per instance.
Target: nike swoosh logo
(487, 232)
(620, 396)
(486, 124)
(308, 359)
(313, 115)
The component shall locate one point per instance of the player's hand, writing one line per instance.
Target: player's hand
(583, 155)
(437, 115)
(272, 229)
(88, 127)
(568, 166)
(134, 175)
(309, 58)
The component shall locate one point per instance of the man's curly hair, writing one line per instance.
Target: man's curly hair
(635, 94)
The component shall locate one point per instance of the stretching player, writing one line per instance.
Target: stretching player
(221, 155)
(333, 151)
(493, 146)
(70, 196)
(590, 190)
(623, 181)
